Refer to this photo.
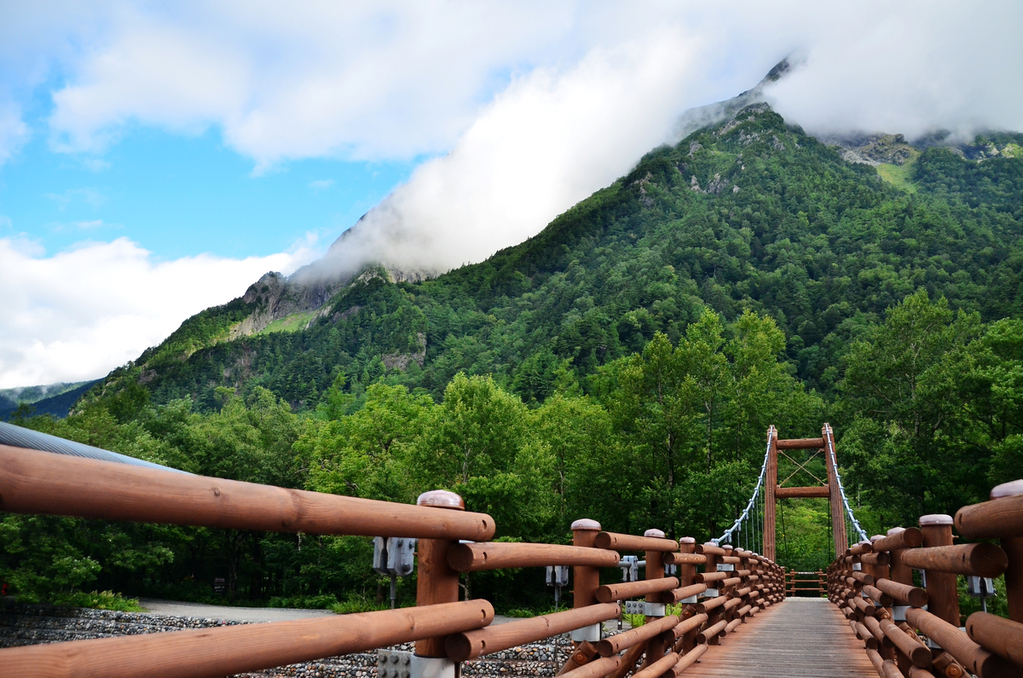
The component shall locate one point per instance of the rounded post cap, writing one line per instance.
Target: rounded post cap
(936, 519)
(654, 532)
(1010, 489)
(441, 499)
(864, 541)
(727, 547)
(687, 540)
(586, 524)
(895, 530)
(876, 537)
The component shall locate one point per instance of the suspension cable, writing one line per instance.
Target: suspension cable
(838, 479)
(727, 536)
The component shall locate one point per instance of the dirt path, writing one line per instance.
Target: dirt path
(249, 614)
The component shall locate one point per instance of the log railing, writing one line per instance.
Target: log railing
(810, 583)
(915, 631)
(715, 588)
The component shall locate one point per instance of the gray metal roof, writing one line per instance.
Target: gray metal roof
(16, 436)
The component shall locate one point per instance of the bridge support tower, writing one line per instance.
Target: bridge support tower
(829, 489)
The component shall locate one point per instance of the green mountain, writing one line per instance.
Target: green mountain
(747, 213)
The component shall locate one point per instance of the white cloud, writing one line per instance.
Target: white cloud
(356, 79)
(910, 68)
(548, 141)
(556, 135)
(77, 314)
(384, 79)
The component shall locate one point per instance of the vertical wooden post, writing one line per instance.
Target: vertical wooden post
(835, 495)
(770, 485)
(1013, 547)
(654, 570)
(687, 572)
(714, 616)
(880, 571)
(585, 579)
(942, 591)
(436, 581)
(687, 577)
(898, 571)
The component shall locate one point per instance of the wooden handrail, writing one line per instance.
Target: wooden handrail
(50, 484)
(634, 589)
(622, 641)
(472, 644)
(979, 560)
(499, 555)
(628, 542)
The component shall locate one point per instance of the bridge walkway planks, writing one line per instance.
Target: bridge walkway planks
(800, 638)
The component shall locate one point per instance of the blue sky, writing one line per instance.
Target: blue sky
(156, 158)
(181, 195)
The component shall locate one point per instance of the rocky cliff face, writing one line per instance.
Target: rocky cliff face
(872, 149)
(275, 299)
(278, 297)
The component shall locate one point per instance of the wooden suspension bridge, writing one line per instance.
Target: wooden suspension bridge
(710, 609)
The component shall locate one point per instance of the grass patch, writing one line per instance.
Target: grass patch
(325, 601)
(356, 604)
(900, 176)
(633, 620)
(292, 323)
(101, 600)
(1012, 151)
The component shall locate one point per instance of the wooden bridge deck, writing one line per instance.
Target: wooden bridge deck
(800, 638)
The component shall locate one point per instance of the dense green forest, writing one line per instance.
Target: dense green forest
(622, 365)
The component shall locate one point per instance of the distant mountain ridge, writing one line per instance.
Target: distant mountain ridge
(55, 399)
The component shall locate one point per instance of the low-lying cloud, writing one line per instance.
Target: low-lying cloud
(911, 68)
(546, 142)
(75, 315)
(555, 136)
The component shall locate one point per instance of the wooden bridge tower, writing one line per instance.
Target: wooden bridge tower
(828, 489)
